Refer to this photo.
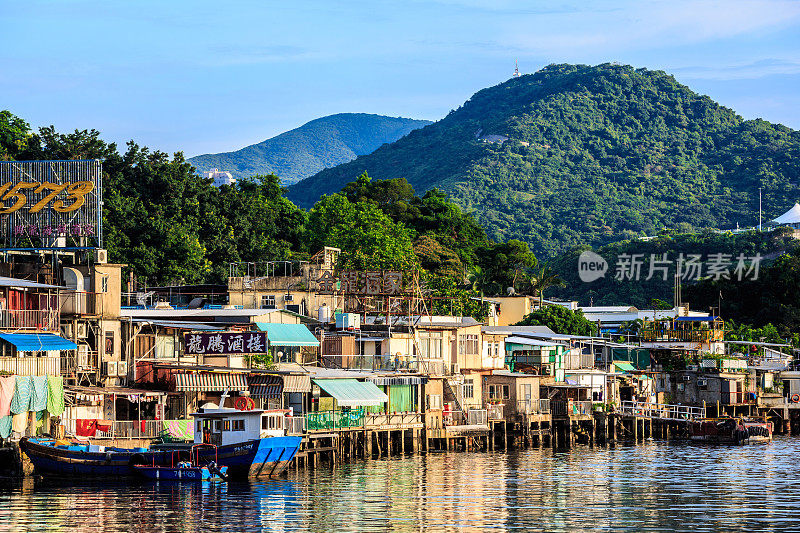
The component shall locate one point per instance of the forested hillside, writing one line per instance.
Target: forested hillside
(321, 143)
(594, 155)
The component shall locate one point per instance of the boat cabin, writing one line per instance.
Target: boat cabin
(226, 426)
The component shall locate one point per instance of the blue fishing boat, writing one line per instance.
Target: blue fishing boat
(184, 470)
(236, 435)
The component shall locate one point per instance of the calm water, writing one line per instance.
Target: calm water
(654, 486)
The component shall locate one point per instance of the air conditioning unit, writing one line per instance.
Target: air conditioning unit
(83, 356)
(288, 298)
(110, 368)
(68, 331)
(82, 330)
(456, 368)
(101, 256)
(687, 378)
(122, 369)
(702, 382)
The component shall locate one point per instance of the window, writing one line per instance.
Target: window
(109, 343)
(434, 401)
(526, 392)
(469, 388)
(268, 302)
(217, 426)
(104, 284)
(226, 425)
(430, 345)
(199, 426)
(238, 425)
(499, 392)
(468, 345)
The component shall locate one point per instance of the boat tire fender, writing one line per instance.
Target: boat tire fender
(795, 398)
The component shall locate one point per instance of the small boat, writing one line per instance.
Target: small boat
(236, 435)
(184, 470)
(730, 430)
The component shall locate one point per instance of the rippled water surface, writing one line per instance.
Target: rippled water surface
(654, 486)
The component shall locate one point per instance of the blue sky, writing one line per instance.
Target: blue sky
(214, 76)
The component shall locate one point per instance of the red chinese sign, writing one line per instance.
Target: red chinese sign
(356, 282)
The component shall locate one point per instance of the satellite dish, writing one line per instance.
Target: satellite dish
(511, 291)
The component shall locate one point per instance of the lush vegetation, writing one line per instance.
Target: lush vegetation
(595, 155)
(561, 320)
(769, 301)
(655, 292)
(321, 143)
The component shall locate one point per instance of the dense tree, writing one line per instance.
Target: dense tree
(595, 155)
(560, 319)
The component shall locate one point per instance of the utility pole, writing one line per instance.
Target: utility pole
(759, 208)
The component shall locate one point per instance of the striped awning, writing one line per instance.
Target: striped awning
(297, 383)
(265, 386)
(210, 382)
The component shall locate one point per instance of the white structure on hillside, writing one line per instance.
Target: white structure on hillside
(789, 218)
(219, 177)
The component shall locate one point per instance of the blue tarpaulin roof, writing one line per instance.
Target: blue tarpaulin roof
(288, 334)
(696, 318)
(38, 342)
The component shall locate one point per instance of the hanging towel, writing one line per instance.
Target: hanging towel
(7, 386)
(21, 403)
(178, 429)
(55, 395)
(5, 427)
(39, 393)
(19, 422)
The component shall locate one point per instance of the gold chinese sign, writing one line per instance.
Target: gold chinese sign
(14, 196)
(357, 282)
(51, 204)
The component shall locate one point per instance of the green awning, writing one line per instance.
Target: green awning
(624, 366)
(352, 393)
(288, 334)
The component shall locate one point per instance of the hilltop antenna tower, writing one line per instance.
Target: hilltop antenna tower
(516, 69)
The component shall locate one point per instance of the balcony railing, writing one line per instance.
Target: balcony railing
(495, 411)
(31, 319)
(662, 411)
(477, 417)
(82, 303)
(570, 407)
(681, 335)
(377, 420)
(534, 407)
(31, 366)
(738, 398)
(332, 420)
(294, 425)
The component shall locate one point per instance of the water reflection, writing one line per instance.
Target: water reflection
(652, 486)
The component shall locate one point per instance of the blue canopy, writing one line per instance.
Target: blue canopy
(38, 342)
(288, 334)
(696, 318)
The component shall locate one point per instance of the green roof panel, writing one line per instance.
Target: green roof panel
(353, 393)
(288, 334)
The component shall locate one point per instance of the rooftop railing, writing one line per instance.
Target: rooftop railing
(662, 411)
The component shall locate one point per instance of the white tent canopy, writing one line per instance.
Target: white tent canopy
(792, 216)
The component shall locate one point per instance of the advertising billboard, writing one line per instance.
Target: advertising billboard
(51, 204)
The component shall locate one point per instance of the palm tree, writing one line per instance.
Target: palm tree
(479, 280)
(541, 277)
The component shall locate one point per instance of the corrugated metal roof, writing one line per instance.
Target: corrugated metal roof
(210, 382)
(26, 284)
(352, 393)
(297, 383)
(198, 326)
(528, 342)
(38, 342)
(288, 334)
(265, 386)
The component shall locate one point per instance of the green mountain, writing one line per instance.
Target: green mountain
(321, 143)
(580, 155)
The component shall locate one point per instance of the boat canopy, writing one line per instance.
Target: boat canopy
(624, 366)
(38, 342)
(288, 334)
(353, 393)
